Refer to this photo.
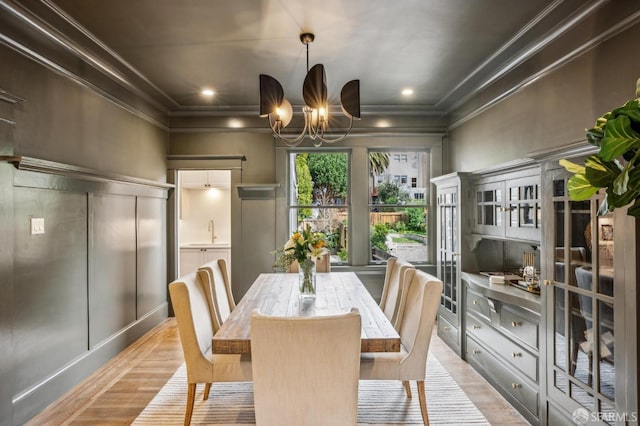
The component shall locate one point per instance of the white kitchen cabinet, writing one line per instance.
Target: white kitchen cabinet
(204, 179)
(193, 257)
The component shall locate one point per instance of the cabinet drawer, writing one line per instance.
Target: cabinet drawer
(448, 333)
(510, 351)
(478, 304)
(499, 373)
(519, 327)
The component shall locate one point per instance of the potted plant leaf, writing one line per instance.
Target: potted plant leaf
(616, 165)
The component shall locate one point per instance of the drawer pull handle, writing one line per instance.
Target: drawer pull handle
(476, 327)
(515, 324)
(475, 352)
(475, 302)
(516, 385)
(516, 354)
(445, 328)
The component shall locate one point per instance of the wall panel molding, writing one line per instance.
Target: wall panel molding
(52, 167)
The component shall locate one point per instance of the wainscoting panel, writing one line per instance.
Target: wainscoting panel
(112, 287)
(152, 254)
(50, 284)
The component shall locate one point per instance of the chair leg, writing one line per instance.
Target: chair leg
(207, 388)
(191, 398)
(407, 388)
(422, 396)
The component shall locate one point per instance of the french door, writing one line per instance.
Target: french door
(584, 339)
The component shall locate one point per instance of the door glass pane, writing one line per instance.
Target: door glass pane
(558, 187)
(498, 216)
(489, 215)
(606, 363)
(560, 340)
(559, 267)
(527, 212)
(585, 398)
(561, 382)
(580, 358)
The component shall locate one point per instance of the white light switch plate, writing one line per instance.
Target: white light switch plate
(37, 225)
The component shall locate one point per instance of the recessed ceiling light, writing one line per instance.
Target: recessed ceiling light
(208, 92)
(407, 92)
(235, 123)
(383, 123)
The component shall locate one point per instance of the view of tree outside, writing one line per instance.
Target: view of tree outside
(398, 205)
(321, 181)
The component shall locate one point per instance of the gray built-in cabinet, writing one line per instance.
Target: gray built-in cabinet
(452, 253)
(570, 350)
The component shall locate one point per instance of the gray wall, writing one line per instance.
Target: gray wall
(555, 109)
(96, 280)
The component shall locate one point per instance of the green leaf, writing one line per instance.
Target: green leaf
(595, 135)
(620, 184)
(634, 179)
(619, 138)
(579, 188)
(634, 210)
(631, 109)
(620, 200)
(600, 173)
(572, 167)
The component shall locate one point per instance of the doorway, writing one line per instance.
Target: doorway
(204, 218)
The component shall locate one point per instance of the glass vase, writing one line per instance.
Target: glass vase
(307, 278)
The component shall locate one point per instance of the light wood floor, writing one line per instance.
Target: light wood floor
(118, 392)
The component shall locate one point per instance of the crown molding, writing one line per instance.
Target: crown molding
(593, 42)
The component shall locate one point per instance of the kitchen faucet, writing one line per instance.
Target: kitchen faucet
(212, 229)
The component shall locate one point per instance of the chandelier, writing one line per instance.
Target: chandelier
(316, 110)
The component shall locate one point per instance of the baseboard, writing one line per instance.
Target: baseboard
(39, 396)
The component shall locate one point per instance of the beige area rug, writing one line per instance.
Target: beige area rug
(379, 403)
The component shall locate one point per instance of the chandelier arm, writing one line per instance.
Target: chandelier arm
(339, 138)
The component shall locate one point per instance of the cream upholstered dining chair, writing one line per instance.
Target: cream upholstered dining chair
(217, 286)
(419, 306)
(322, 265)
(196, 332)
(300, 375)
(398, 273)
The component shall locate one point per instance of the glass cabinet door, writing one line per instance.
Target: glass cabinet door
(580, 301)
(448, 249)
(523, 208)
(489, 209)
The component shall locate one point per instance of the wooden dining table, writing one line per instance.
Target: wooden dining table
(277, 294)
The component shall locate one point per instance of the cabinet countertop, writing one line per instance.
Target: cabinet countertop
(503, 292)
(205, 245)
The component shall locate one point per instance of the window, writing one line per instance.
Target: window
(318, 196)
(397, 212)
(391, 221)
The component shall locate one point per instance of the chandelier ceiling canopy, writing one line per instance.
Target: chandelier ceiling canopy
(279, 111)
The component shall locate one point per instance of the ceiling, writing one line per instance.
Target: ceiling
(444, 50)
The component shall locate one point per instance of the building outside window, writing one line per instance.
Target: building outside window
(398, 210)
